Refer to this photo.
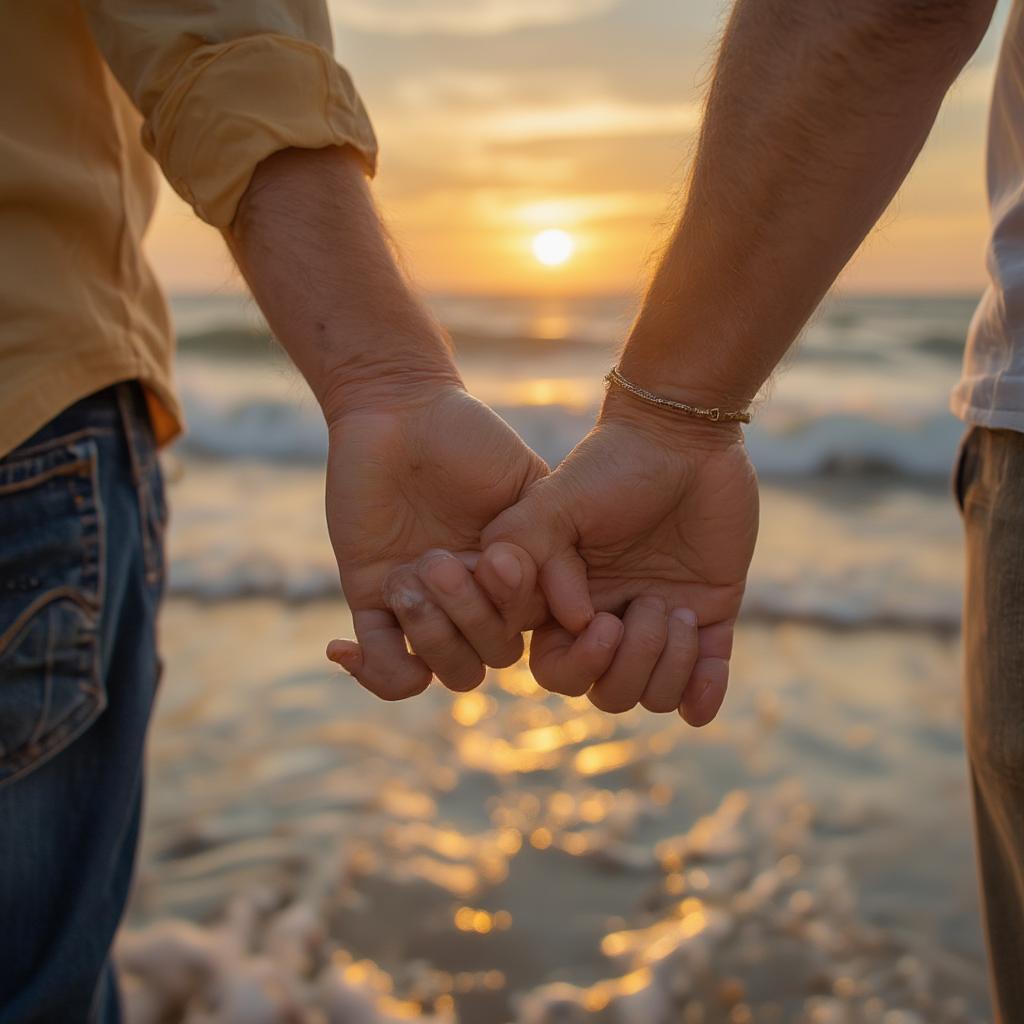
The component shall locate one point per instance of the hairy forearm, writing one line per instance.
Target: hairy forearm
(816, 113)
(310, 244)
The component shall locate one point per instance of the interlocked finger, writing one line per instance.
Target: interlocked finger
(567, 664)
(706, 688)
(664, 691)
(645, 627)
(456, 593)
(431, 633)
(380, 661)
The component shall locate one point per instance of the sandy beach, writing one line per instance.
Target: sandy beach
(490, 856)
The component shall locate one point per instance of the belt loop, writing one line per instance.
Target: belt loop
(124, 406)
(129, 417)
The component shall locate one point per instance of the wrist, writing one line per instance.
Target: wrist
(683, 377)
(667, 427)
(683, 352)
(372, 382)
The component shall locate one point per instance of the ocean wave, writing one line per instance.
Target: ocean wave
(789, 445)
(849, 445)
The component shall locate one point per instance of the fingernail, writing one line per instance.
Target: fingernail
(405, 598)
(444, 572)
(507, 566)
(403, 589)
(343, 656)
(608, 631)
(687, 615)
(470, 559)
(653, 602)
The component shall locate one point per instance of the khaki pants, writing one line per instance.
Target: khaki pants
(990, 489)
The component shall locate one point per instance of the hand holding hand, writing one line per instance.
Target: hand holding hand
(427, 473)
(655, 517)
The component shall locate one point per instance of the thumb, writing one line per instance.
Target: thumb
(348, 655)
(535, 526)
(508, 575)
(563, 578)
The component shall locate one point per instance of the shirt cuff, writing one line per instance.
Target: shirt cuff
(230, 106)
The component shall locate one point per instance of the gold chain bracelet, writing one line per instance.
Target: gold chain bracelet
(715, 414)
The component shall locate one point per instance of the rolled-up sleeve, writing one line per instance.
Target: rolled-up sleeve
(223, 84)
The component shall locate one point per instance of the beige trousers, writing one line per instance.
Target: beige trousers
(990, 489)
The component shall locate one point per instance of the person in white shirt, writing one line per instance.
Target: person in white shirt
(815, 114)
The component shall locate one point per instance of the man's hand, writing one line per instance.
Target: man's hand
(658, 513)
(415, 463)
(794, 164)
(427, 476)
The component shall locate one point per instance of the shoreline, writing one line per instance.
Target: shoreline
(505, 855)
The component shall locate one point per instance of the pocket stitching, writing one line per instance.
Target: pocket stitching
(75, 468)
(26, 454)
(70, 729)
(29, 613)
(64, 732)
(58, 734)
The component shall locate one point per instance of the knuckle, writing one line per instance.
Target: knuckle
(649, 639)
(475, 617)
(505, 656)
(504, 604)
(397, 689)
(659, 704)
(560, 673)
(462, 679)
(561, 683)
(430, 635)
(572, 687)
(682, 641)
(611, 703)
(511, 525)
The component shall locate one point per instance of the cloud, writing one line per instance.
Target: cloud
(552, 133)
(461, 17)
(506, 211)
(592, 119)
(496, 108)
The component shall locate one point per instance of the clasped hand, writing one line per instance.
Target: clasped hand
(628, 561)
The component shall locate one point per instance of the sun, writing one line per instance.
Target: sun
(553, 247)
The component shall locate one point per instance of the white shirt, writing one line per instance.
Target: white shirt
(991, 389)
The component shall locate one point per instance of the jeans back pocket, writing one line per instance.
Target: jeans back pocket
(51, 588)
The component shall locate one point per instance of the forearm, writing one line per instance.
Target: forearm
(815, 114)
(312, 249)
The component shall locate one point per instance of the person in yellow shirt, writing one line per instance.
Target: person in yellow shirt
(252, 121)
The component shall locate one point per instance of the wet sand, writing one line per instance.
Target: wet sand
(312, 854)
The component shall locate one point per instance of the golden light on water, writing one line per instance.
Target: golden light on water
(553, 247)
(576, 394)
(469, 708)
(658, 940)
(468, 919)
(604, 757)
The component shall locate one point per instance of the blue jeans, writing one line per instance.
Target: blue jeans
(82, 517)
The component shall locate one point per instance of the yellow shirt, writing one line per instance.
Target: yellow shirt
(209, 88)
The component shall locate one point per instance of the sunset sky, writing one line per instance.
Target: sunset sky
(501, 119)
